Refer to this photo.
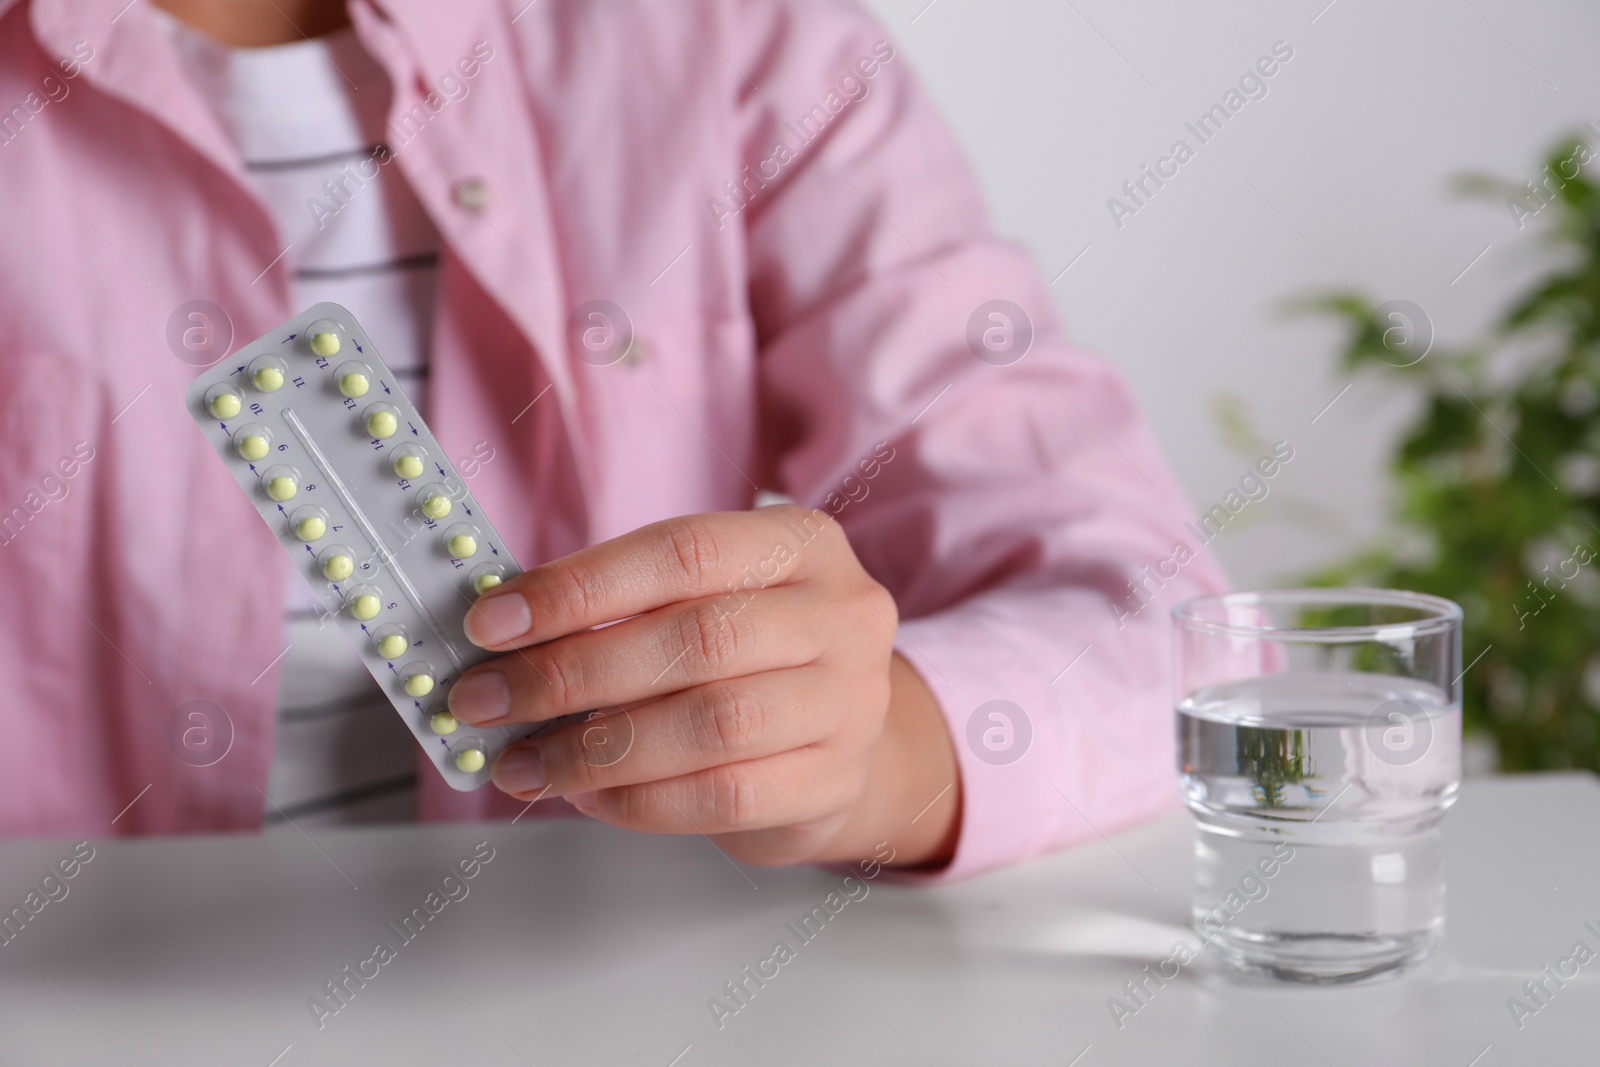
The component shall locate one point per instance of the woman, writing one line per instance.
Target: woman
(639, 261)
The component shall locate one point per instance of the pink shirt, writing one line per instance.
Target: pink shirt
(800, 249)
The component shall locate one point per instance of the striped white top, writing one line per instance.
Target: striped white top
(307, 119)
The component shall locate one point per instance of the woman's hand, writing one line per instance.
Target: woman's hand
(751, 692)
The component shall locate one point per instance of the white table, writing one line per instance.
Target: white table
(579, 944)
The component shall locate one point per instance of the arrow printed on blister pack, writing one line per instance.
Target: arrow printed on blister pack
(384, 384)
(413, 428)
(357, 344)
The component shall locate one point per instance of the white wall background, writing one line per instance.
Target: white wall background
(1351, 155)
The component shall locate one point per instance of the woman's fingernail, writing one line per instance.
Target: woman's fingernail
(519, 771)
(584, 802)
(480, 698)
(497, 619)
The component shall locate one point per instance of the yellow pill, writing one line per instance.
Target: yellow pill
(327, 344)
(354, 384)
(338, 568)
(365, 606)
(253, 447)
(463, 546)
(486, 582)
(282, 487)
(225, 405)
(419, 685)
(382, 424)
(470, 760)
(311, 528)
(443, 723)
(268, 379)
(436, 506)
(408, 467)
(393, 646)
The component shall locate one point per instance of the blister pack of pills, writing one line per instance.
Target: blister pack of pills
(375, 518)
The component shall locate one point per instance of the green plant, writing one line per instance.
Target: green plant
(1497, 479)
(1273, 759)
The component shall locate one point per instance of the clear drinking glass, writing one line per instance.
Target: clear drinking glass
(1319, 745)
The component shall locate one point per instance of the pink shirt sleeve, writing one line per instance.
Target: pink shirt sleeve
(1009, 494)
